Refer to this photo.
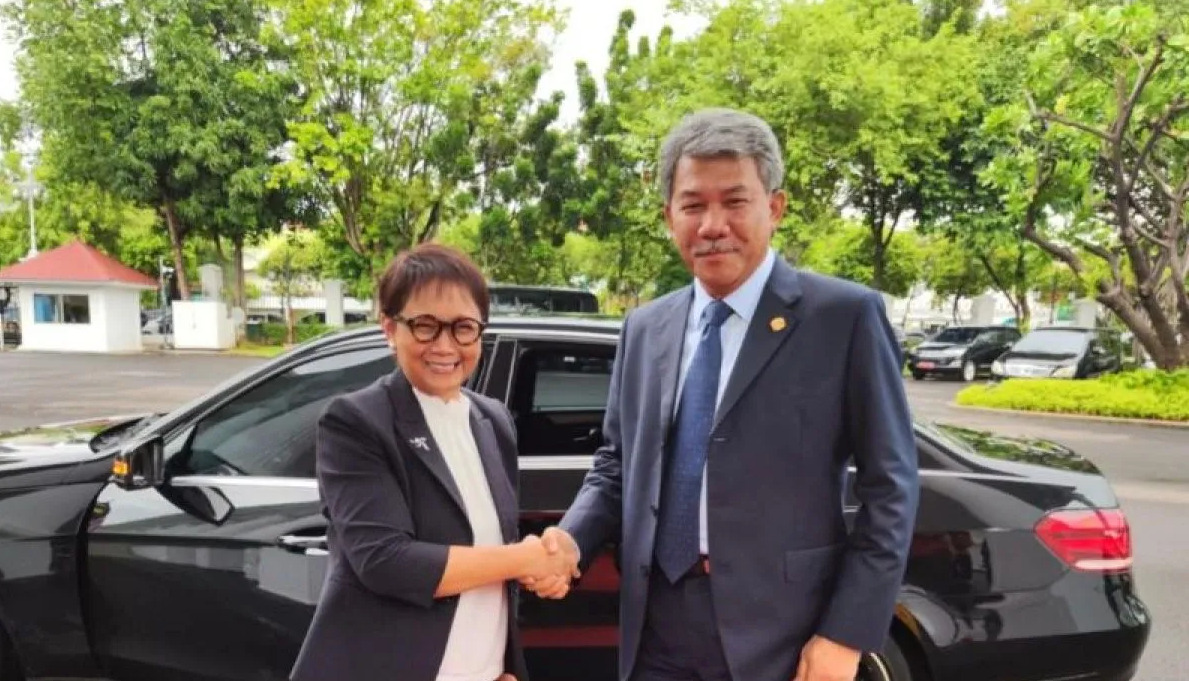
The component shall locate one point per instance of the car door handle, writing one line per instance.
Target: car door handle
(310, 545)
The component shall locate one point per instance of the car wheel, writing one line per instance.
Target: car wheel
(889, 664)
(969, 370)
(918, 375)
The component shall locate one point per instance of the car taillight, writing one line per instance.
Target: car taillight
(1091, 540)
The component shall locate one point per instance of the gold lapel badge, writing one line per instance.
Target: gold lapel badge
(777, 324)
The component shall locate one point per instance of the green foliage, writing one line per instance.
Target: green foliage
(846, 252)
(168, 106)
(410, 110)
(616, 195)
(1146, 394)
(860, 97)
(1094, 161)
(271, 334)
(293, 264)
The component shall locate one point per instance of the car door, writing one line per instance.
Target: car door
(1003, 342)
(558, 395)
(1099, 358)
(215, 574)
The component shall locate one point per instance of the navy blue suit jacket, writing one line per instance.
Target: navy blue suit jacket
(807, 396)
(394, 510)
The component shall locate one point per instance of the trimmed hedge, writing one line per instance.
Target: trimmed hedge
(1145, 394)
(274, 334)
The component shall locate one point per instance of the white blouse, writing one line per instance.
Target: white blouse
(479, 632)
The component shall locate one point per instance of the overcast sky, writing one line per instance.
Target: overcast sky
(587, 37)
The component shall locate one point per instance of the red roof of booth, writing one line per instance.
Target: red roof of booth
(74, 262)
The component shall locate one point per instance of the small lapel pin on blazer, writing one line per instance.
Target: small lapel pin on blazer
(420, 442)
(777, 324)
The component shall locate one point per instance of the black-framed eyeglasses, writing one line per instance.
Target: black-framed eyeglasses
(426, 328)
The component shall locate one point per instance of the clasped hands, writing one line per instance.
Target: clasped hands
(554, 562)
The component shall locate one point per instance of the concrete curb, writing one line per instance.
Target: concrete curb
(1076, 417)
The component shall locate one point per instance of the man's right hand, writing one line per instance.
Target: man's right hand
(559, 545)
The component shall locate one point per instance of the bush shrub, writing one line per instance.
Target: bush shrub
(274, 334)
(1146, 393)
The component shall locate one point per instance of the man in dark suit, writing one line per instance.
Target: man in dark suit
(736, 405)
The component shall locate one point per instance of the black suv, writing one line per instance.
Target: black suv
(1062, 352)
(961, 351)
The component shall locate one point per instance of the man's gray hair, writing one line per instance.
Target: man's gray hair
(718, 133)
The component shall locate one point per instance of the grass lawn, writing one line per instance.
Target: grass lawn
(247, 349)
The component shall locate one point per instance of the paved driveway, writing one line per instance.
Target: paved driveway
(39, 388)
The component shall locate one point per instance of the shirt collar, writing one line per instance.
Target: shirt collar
(455, 407)
(743, 300)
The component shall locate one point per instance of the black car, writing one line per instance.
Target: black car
(1062, 352)
(520, 298)
(12, 332)
(191, 545)
(961, 351)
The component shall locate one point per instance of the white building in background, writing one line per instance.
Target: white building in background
(76, 299)
(924, 311)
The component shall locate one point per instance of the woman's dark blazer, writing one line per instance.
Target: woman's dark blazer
(394, 509)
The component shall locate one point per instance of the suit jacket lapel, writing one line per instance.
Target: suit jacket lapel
(763, 336)
(497, 474)
(669, 341)
(414, 430)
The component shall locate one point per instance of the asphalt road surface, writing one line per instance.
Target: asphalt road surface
(1148, 465)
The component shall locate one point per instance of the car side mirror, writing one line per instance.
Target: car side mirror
(140, 464)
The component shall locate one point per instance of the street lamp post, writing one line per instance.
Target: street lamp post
(28, 190)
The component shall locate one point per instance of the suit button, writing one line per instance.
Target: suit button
(656, 510)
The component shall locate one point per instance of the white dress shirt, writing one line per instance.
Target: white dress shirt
(743, 302)
(479, 632)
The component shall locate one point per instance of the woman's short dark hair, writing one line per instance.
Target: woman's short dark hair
(431, 264)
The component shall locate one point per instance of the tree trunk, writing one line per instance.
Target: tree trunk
(954, 313)
(241, 300)
(377, 304)
(237, 254)
(877, 260)
(290, 322)
(1116, 301)
(176, 242)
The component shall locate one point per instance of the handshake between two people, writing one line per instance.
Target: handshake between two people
(553, 563)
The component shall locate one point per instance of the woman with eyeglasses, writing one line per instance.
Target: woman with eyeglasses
(418, 478)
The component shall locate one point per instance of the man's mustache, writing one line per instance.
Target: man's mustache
(714, 248)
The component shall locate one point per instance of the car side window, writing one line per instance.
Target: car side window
(559, 397)
(268, 430)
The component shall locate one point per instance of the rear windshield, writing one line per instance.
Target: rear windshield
(957, 335)
(1060, 341)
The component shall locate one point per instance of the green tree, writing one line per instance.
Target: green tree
(406, 105)
(618, 199)
(1098, 168)
(861, 98)
(166, 105)
(846, 253)
(293, 264)
(951, 271)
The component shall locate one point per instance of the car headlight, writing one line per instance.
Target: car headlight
(1066, 371)
(997, 367)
